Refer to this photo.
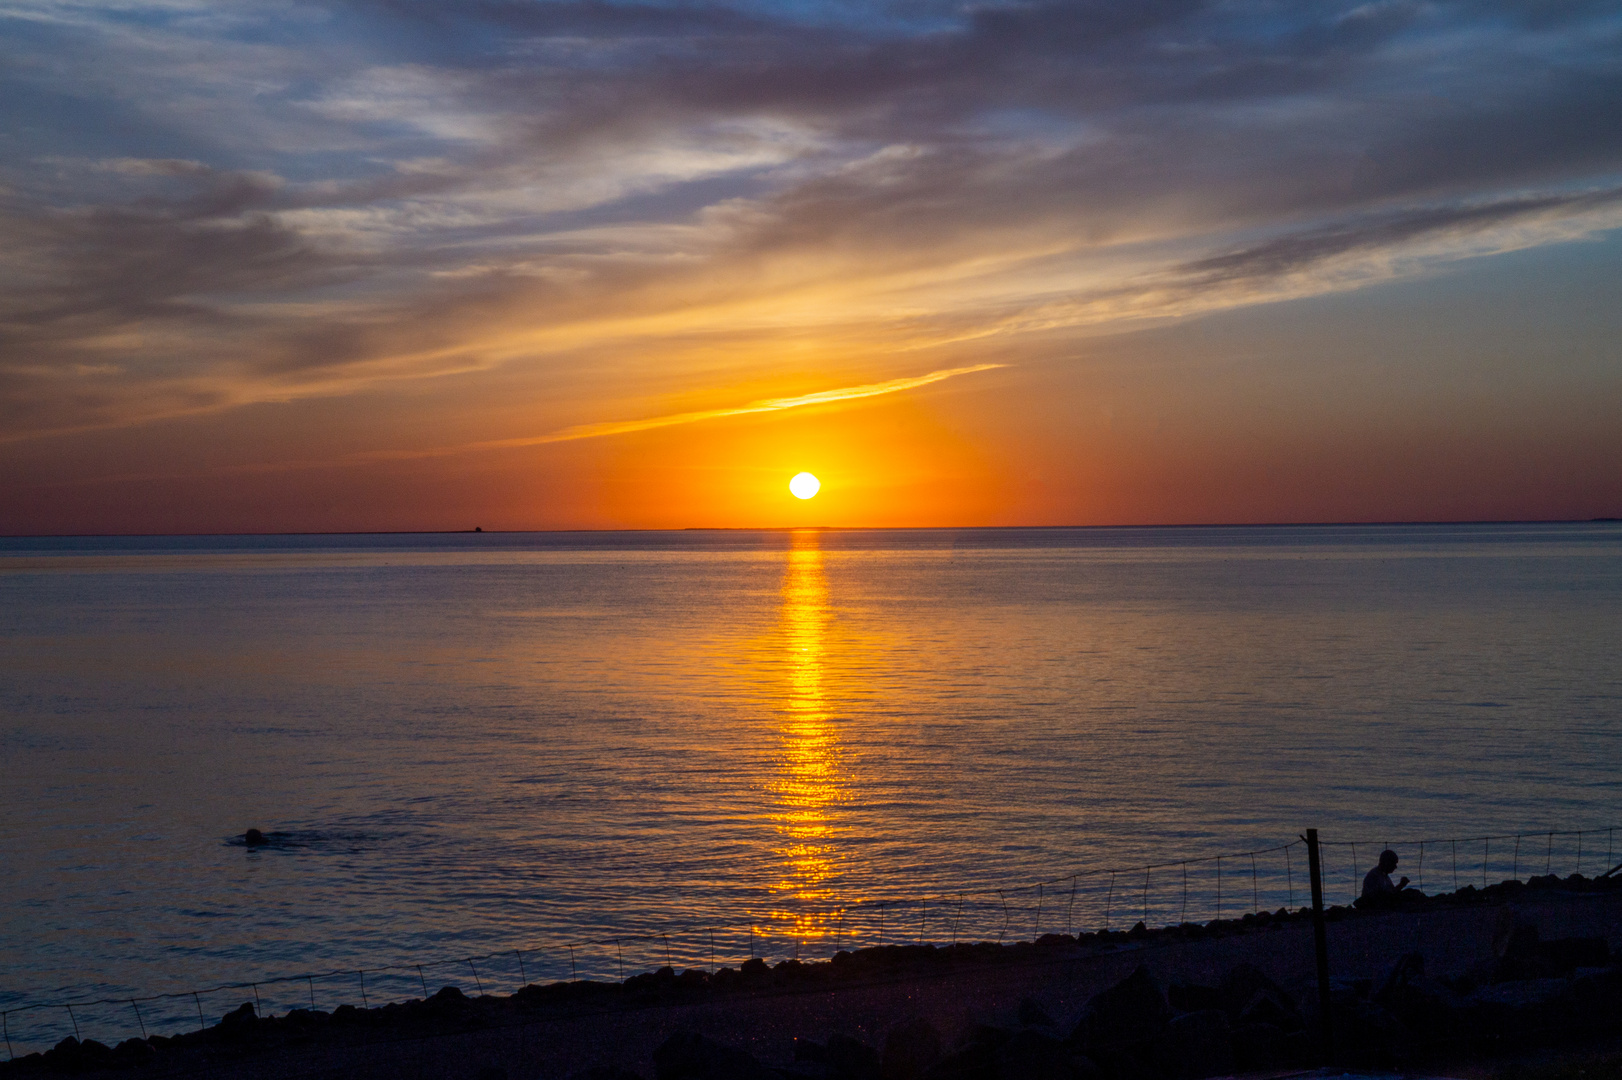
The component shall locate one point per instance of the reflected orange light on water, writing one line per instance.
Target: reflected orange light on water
(809, 783)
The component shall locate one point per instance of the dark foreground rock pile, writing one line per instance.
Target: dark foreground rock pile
(1530, 992)
(1132, 1031)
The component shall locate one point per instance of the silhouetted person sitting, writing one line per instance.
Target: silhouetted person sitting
(1378, 891)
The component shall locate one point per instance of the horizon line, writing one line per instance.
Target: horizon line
(825, 528)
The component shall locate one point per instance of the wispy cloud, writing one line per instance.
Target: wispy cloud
(765, 405)
(838, 396)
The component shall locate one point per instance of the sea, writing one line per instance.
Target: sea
(487, 759)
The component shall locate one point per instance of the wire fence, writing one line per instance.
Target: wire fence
(1173, 892)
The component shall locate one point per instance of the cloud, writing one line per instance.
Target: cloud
(318, 198)
(765, 405)
(834, 397)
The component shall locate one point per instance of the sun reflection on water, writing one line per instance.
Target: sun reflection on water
(809, 783)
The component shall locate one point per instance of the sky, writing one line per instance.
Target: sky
(390, 265)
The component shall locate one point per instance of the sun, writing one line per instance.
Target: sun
(804, 485)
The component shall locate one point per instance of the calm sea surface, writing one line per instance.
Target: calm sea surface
(772, 741)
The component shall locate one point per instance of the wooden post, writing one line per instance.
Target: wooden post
(1320, 942)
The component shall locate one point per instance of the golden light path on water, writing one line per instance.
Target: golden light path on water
(810, 784)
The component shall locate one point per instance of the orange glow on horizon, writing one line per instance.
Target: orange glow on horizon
(889, 463)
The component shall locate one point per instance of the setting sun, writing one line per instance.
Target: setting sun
(804, 485)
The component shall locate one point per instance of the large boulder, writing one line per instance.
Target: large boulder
(1568, 954)
(687, 1055)
(132, 1053)
(1195, 1045)
(240, 1021)
(1031, 1055)
(975, 1057)
(910, 1048)
(1429, 1010)
(850, 1059)
(1369, 1036)
(1192, 997)
(1032, 1014)
(1259, 1048)
(1126, 1016)
(1243, 982)
(71, 1055)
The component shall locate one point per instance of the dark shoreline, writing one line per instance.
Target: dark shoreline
(1559, 989)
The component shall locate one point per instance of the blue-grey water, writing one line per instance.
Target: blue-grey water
(712, 744)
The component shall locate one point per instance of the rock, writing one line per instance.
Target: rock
(1129, 1013)
(1033, 1015)
(239, 1022)
(1409, 968)
(449, 999)
(1195, 1045)
(254, 838)
(1568, 954)
(985, 1035)
(1031, 1055)
(132, 1053)
(1505, 1015)
(1258, 1047)
(1429, 1010)
(1191, 997)
(1116, 1064)
(1301, 1048)
(1514, 935)
(976, 1061)
(1368, 1035)
(910, 1048)
(1272, 1008)
(687, 1055)
(71, 1055)
(1083, 1067)
(1525, 994)
(851, 1059)
(1240, 985)
(244, 1014)
(1595, 995)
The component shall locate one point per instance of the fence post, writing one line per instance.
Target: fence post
(1320, 945)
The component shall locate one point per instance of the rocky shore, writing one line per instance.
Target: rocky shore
(1175, 1003)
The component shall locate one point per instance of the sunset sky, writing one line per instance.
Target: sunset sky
(309, 266)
